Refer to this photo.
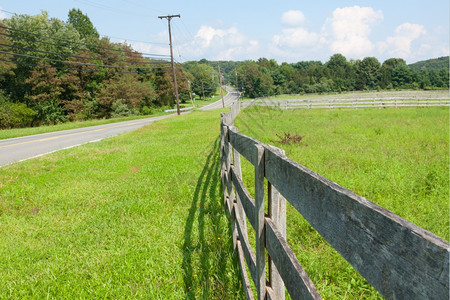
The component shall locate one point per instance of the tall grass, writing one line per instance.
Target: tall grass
(397, 158)
(137, 216)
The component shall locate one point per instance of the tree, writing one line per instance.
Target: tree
(256, 83)
(125, 89)
(367, 74)
(340, 71)
(82, 24)
(204, 78)
(403, 76)
(386, 71)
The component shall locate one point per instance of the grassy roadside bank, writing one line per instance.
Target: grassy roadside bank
(397, 158)
(139, 215)
(18, 132)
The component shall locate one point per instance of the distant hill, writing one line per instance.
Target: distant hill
(435, 63)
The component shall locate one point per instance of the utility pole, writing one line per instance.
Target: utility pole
(203, 90)
(221, 90)
(169, 17)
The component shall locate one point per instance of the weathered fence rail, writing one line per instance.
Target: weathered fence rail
(398, 258)
(348, 103)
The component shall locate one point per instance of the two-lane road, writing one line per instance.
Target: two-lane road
(22, 148)
(232, 96)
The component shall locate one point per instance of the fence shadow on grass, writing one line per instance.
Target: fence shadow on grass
(209, 266)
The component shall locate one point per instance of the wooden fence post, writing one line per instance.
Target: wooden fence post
(238, 203)
(277, 213)
(259, 224)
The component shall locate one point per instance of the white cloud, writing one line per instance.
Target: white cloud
(220, 44)
(293, 18)
(296, 37)
(399, 45)
(348, 30)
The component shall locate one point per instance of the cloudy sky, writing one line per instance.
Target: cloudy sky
(287, 31)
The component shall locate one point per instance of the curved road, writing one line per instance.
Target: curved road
(22, 148)
(232, 96)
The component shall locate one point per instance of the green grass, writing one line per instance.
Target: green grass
(18, 132)
(136, 216)
(383, 94)
(396, 158)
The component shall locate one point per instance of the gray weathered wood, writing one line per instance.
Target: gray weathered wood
(245, 244)
(244, 145)
(270, 294)
(259, 222)
(248, 203)
(237, 172)
(245, 280)
(277, 213)
(297, 282)
(400, 259)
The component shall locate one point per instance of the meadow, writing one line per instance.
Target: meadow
(136, 216)
(396, 158)
(141, 215)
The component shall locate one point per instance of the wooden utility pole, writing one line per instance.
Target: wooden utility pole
(169, 17)
(221, 90)
(203, 90)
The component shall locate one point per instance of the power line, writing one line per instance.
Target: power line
(8, 12)
(47, 52)
(76, 63)
(63, 54)
(105, 7)
(76, 69)
(83, 44)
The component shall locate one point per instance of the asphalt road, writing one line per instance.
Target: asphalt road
(233, 95)
(22, 148)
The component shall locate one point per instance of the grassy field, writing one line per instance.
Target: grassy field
(383, 94)
(397, 158)
(136, 216)
(141, 215)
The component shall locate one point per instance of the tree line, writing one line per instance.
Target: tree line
(54, 71)
(266, 77)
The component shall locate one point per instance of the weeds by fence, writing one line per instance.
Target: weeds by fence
(400, 259)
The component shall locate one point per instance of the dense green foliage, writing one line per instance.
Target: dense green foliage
(266, 77)
(130, 217)
(54, 71)
(396, 158)
(432, 64)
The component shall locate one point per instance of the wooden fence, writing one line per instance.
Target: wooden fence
(348, 103)
(398, 258)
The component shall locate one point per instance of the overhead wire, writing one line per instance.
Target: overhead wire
(155, 59)
(83, 44)
(76, 63)
(68, 55)
(77, 69)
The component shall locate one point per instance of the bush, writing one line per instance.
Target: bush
(15, 115)
(50, 113)
(120, 109)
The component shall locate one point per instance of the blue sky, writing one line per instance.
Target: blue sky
(287, 31)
